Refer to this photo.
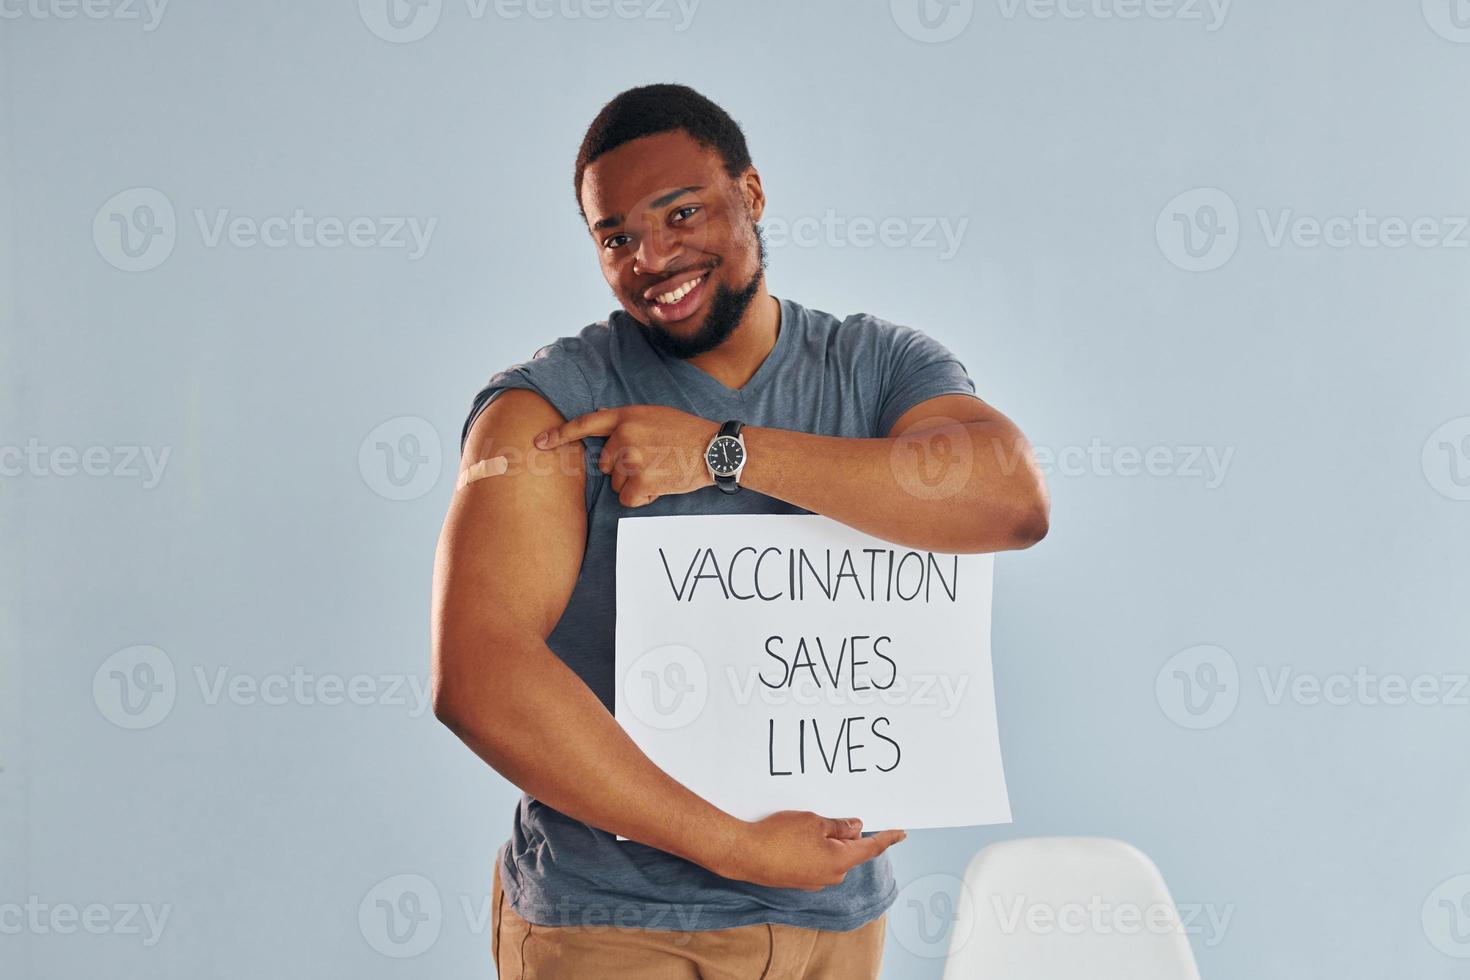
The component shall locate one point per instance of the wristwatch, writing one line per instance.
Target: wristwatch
(725, 456)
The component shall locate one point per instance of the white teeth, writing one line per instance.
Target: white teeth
(678, 294)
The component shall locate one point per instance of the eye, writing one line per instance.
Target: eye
(689, 208)
(613, 241)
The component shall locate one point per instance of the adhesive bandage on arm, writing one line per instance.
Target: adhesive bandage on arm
(494, 466)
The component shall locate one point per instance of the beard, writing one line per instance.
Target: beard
(726, 311)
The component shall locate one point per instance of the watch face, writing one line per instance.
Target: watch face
(725, 455)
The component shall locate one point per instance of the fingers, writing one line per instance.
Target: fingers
(843, 828)
(867, 848)
(598, 423)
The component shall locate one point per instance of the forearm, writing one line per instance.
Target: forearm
(537, 724)
(961, 487)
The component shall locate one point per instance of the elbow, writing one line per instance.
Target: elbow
(445, 706)
(1031, 529)
(1032, 520)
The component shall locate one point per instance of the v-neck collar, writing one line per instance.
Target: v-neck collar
(707, 382)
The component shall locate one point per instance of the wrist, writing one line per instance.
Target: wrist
(709, 437)
(725, 846)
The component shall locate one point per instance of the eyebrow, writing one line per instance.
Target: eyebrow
(613, 220)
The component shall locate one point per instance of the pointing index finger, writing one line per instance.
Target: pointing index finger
(598, 423)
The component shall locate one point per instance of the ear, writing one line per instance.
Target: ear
(754, 194)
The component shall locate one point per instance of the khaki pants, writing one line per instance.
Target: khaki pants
(524, 951)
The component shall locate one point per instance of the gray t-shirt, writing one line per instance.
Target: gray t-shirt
(852, 378)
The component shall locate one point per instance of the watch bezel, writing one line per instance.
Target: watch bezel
(710, 449)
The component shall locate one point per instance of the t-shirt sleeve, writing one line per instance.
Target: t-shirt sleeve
(554, 373)
(919, 368)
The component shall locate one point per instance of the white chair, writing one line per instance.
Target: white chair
(1066, 908)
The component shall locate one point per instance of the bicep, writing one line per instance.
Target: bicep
(513, 540)
(944, 410)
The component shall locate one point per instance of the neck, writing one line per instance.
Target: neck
(741, 355)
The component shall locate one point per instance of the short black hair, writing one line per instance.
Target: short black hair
(650, 109)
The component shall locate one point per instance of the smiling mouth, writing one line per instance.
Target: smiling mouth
(680, 302)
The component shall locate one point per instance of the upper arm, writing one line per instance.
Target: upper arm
(512, 544)
(944, 409)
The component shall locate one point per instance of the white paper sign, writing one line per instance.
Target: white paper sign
(776, 661)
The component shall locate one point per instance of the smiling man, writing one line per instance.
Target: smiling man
(703, 394)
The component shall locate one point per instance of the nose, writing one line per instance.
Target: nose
(656, 250)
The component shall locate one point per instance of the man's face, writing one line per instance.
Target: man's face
(677, 238)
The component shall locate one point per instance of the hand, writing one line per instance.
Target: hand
(800, 849)
(651, 450)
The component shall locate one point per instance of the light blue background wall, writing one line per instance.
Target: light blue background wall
(1329, 382)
